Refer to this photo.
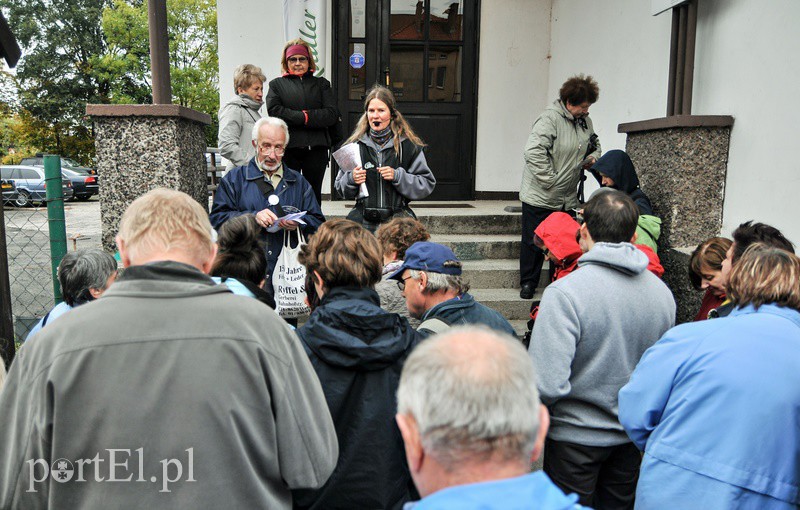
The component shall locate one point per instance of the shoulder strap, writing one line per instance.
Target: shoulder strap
(265, 187)
(434, 325)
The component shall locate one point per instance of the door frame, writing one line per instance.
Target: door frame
(373, 30)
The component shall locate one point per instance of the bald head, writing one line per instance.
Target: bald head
(484, 403)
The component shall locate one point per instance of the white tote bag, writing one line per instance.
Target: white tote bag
(289, 280)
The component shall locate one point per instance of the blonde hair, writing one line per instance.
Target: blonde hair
(400, 127)
(163, 220)
(312, 64)
(245, 75)
(765, 275)
(344, 253)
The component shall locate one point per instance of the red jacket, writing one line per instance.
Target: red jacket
(557, 232)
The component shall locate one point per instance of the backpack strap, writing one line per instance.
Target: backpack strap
(435, 325)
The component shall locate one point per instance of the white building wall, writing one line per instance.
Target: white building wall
(512, 87)
(745, 66)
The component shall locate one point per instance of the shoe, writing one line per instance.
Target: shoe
(527, 291)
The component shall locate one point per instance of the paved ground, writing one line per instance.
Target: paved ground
(29, 255)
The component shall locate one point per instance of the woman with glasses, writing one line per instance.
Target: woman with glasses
(393, 165)
(307, 104)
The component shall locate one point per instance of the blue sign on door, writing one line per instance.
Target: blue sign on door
(356, 60)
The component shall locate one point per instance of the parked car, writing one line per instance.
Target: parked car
(84, 186)
(69, 163)
(31, 187)
(9, 190)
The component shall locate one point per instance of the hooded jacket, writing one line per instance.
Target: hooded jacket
(358, 351)
(557, 232)
(617, 165)
(592, 328)
(236, 120)
(555, 148)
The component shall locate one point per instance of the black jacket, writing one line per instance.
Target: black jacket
(617, 165)
(358, 351)
(289, 95)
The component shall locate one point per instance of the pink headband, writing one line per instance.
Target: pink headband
(297, 49)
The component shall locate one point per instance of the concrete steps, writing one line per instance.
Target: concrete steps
(481, 246)
(506, 301)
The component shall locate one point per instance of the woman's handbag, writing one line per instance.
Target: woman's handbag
(289, 280)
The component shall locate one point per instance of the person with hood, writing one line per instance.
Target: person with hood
(593, 327)
(238, 116)
(393, 164)
(358, 351)
(561, 144)
(307, 104)
(615, 170)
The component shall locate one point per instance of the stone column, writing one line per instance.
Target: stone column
(682, 164)
(142, 147)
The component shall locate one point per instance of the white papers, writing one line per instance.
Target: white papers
(348, 158)
(289, 217)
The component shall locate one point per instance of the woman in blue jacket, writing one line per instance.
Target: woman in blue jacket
(715, 405)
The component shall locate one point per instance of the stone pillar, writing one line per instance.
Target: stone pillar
(682, 164)
(141, 147)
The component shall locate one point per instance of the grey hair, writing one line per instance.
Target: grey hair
(82, 270)
(478, 407)
(271, 121)
(441, 281)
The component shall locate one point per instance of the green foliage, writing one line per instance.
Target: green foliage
(97, 51)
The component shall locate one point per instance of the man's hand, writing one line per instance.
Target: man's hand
(359, 176)
(288, 224)
(386, 172)
(266, 218)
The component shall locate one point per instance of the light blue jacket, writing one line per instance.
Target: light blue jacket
(534, 490)
(721, 400)
(57, 311)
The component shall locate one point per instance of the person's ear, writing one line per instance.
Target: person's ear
(544, 426)
(319, 284)
(423, 280)
(207, 264)
(255, 145)
(584, 232)
(634, 238)
(95, 293)
(124, 256)
(411, 441)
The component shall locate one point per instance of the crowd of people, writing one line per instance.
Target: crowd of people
(176, 384)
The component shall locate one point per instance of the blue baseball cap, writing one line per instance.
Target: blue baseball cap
(427, 256)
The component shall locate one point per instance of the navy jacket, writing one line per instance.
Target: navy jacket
(238, 194)
(465, 310)
(618, 165)
(358, 350)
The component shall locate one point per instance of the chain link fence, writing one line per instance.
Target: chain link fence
(28, 246)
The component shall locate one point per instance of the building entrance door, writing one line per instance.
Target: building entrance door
(425, 51)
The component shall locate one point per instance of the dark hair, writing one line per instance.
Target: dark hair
(748, 233)
(344, 253)
(708, 254)
(578, 90)
(765, 274)
(83, 270)
(400, 233)
(611, 217)
(241, 252)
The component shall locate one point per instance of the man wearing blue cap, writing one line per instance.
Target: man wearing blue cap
(436, 293)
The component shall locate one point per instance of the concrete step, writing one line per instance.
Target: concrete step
(497, 274)
(520, 326)
(477, 247)
(473, 223)
(506, 301)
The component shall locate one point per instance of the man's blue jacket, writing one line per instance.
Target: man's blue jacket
(238, 194)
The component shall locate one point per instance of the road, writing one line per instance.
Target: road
(29, 255)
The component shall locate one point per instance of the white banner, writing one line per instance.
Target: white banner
(306, 19)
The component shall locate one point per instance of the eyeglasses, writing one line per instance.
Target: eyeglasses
(293, 60)
(277, 150)
(402, 283)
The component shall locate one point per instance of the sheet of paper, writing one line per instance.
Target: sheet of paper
(289, 217)
(348, 158)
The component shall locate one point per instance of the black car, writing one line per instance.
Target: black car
(84, 185)
(9, 190)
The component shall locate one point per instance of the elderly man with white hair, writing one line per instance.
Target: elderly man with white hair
(472, 423)
(169, 392)
(268, 189)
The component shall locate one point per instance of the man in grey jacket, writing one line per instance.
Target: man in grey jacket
(592, 328)
(168, 392)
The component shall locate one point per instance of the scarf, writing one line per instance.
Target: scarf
(381, 137)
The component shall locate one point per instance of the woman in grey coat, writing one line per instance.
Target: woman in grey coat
(237, 116)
